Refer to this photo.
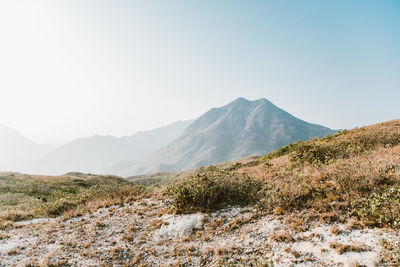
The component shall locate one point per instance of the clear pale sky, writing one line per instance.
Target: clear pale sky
(82, 67)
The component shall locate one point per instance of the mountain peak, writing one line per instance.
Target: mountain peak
(263, 100)
(242, 100)
(236, 130)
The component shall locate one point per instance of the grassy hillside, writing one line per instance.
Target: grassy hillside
(350, 175)
(309, 202)
(21, 196)
(354, 174)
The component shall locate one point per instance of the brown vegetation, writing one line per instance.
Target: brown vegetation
(351, 177)
(333, 178)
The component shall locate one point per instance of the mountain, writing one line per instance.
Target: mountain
(97, 153)
(17, 152)
(234, 131)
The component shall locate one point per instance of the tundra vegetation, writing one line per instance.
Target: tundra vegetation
(21, 196)
(351, 176)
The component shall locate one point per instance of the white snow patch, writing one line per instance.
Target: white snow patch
(319, 246)
(8, 245)
(180, 226)
(39, 220)
(79, 218)
(266, 226)
(229, 212)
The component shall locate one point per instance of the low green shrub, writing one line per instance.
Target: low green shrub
(21, 195)
(60, 202)
(380, 209)
(211, 189)
(59, 206)
(298, 195)
(282, 151)
(326, 150)
(315, 153)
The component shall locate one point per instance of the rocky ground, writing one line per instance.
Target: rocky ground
(146, 234)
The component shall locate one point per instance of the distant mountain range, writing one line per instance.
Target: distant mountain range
(97, 153)
(93, 154)
(239, 129)
(17, 151)
(234, 131)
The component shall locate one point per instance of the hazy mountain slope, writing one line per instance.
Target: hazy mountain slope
(16, 151)
(146, 142)
(96, 154)
(237, 130)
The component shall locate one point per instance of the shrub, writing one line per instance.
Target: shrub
(324, 151)
(59, 206)
(315, 153)
(380, 209)
(283, 151)
(295, 196)
(61, 202)
(212, 189)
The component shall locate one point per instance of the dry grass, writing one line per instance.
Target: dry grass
(71, 194)
(282, 237)
(331, 179)
(391, 252)
(342, 248)
(337, 188)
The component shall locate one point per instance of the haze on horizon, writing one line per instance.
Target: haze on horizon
(77, 68)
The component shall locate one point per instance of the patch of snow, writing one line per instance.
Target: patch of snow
(39, 220)
(8, 245)
(319, 246)
(229, 212)
(80, 218)
(180, 226)
(267, 225)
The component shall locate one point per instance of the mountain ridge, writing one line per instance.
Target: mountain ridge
(238, 129)
(94, 154)
(17, 151)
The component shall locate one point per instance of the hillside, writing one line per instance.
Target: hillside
(234, 131)
(18, 151)
(96, 154)
(332, 201)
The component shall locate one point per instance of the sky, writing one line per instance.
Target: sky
(77, 68)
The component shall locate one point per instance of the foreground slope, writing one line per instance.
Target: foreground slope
(234, 131)
(141, 234)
